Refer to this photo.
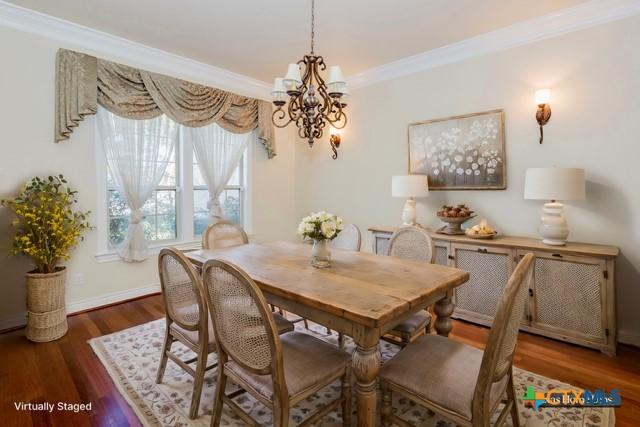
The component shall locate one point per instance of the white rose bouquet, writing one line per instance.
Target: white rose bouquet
(320, 226)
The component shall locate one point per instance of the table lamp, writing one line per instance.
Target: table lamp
(409, 187)
(554, 184)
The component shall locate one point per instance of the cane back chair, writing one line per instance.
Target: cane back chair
(458, 381)
(279, 371)
(223, 234)
(349, 239)
(412, 243)
(187, 320)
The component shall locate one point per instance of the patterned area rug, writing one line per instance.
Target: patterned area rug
(131, 358)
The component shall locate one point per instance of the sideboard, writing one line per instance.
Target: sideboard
(571, 297)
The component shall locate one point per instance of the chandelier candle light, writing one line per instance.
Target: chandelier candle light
(312, 103)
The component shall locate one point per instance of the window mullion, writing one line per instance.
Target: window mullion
(186, 186)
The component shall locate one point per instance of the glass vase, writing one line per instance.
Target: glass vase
(320, 254)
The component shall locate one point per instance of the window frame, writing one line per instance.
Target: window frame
(184, 188)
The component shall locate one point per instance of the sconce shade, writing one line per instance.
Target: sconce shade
(409, 186)
(543, 96)
(554, 184)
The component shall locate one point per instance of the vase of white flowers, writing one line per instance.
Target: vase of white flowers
(320, 227)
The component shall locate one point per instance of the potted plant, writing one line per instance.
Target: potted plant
(47, 227)
(320, 227)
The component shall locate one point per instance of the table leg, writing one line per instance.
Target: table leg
(444, 310)
(366, 365)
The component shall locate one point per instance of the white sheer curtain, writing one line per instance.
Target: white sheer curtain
(218, 152)
(137, 154)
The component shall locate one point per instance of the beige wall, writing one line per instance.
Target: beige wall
(26, 120)
(594, 76)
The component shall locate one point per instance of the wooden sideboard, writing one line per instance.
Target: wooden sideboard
(572, 294)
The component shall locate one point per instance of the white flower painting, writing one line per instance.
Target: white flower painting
(460, 153)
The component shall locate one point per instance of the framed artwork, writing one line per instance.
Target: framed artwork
(461, 152)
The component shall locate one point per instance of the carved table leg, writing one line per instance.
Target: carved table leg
(444, 310)
(366, 365)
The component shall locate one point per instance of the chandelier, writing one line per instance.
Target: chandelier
(312, 103)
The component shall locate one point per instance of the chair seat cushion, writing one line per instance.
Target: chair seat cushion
(308, 362)
(282, 324)
(417, 322)
(192, 336)
(440, 371)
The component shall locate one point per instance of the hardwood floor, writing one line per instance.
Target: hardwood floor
(67, 370)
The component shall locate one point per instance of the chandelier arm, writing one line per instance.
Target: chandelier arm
(277, 116)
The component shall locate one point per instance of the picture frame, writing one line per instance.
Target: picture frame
(465, 152)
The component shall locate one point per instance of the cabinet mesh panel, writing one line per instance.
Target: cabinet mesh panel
(489, 274)
(382, 244)
(441, 256)
(568, 295)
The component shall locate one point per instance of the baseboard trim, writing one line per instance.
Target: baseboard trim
(18, 321)
(629, 337)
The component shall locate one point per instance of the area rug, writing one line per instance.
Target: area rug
(131, 359)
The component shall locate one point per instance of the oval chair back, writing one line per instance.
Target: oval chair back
(223, 234)
(181, 291)
(243, 325)
(349, 239)
(497, 361)
(411, 243)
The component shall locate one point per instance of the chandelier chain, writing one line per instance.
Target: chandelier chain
(313, 23)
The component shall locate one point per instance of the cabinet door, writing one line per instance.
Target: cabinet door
(489, 270)
(380, 243)
(568, 296)
(442, 252)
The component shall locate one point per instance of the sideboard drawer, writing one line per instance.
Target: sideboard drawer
(489, 270)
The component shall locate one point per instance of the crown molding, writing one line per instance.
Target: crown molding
(108, 46)
(94, 42)
(582, 16)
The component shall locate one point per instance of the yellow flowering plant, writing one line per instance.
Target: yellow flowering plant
(48, 225)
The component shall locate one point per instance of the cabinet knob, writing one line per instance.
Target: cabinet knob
(557, 255)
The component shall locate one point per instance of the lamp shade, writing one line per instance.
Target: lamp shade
(293, 74)
(554, 184)
(335, 75)
(409, 186)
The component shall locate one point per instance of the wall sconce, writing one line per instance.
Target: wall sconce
(544, 110)
(334, 140)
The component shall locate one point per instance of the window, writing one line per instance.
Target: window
(160, 211)
(231, 199)
(177, 212)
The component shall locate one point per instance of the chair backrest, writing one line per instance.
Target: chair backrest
(497, 360)
(349, 239)
(411, 243)
(243, 324)
(182, 290)
(223, 234)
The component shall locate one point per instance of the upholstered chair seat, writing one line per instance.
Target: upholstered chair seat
(307, 362)
(442, 369)
(417, 322)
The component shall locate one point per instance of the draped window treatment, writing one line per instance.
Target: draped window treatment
(218, 152)
(137, 153)
(83, 81)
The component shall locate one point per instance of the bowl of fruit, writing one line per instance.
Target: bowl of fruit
(453, 217)
(481, 231)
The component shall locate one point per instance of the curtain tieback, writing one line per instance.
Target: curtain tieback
(136, 216)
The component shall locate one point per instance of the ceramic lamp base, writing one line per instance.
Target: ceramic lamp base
(553, 228)
(409, 212)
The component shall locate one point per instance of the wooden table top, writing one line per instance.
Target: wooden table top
(362, 287)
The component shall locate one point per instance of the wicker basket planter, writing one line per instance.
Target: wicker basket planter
(46, 309)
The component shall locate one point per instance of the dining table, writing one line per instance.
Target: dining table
(361, 295)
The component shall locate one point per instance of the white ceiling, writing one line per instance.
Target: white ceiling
(258, 38)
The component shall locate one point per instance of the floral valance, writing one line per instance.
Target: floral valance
(83, 81)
